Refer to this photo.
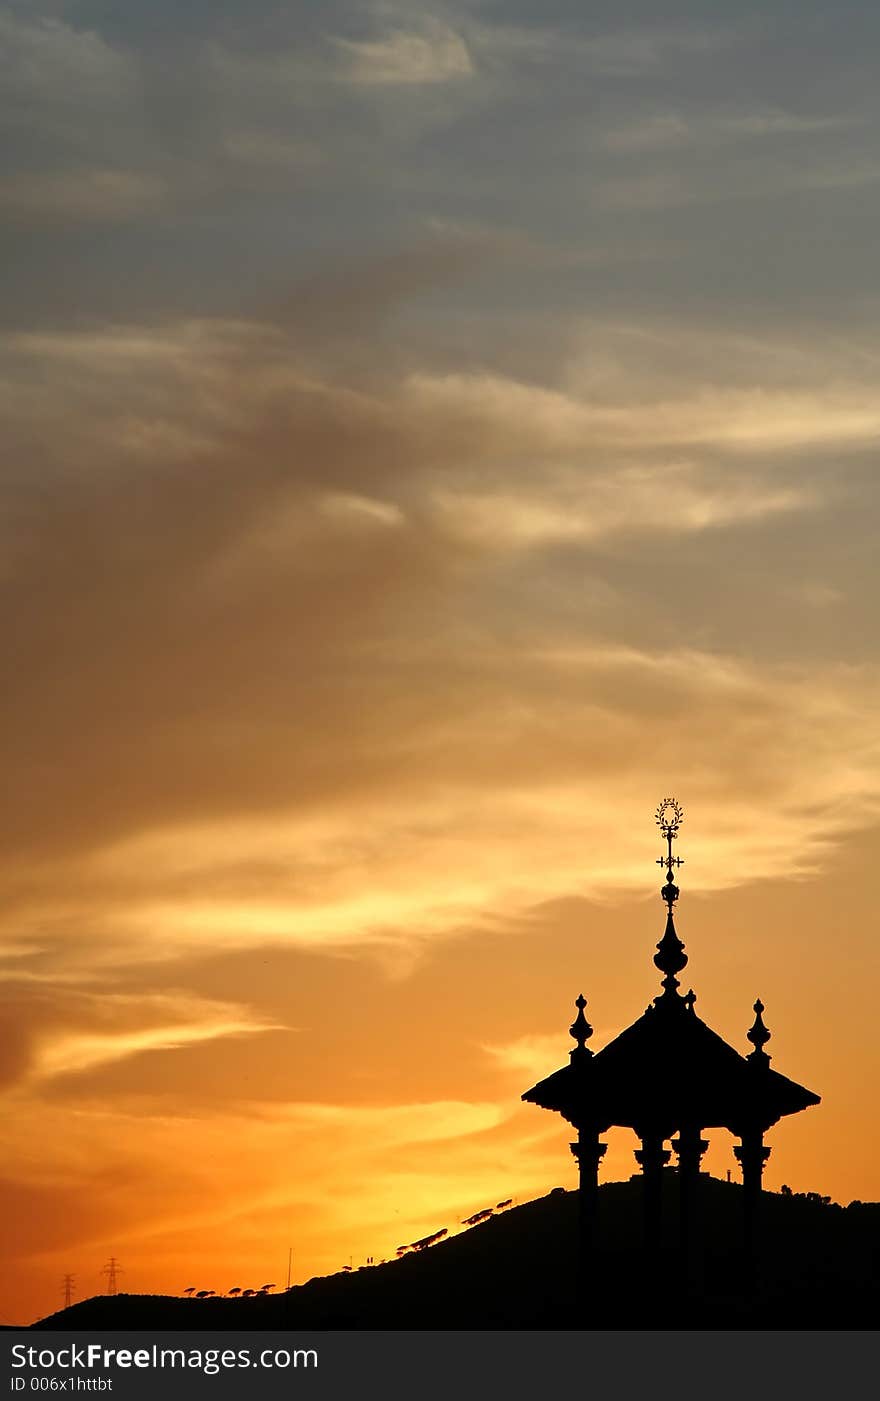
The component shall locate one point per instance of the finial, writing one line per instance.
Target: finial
(759, 1036)
(580, 1029)
(669, 817)
(670, 957)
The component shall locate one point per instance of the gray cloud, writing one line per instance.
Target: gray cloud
(223, 575)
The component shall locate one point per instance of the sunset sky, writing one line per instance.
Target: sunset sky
(434, 434)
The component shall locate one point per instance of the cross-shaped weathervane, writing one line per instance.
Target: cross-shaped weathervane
(669, 817)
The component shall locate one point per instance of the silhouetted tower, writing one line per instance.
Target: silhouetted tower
(669, 1073)
(67, 1284)
(112, 1270)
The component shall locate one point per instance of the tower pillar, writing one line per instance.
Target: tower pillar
(751, 1154)
(652, 1158)
(588, 1152)
(690, 1147)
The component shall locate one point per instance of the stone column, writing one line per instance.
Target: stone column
(751, 1154)
(690, 1148)
(589, 1152)
(652, 1158)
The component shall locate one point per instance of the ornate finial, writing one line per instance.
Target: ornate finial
(759, 1036)
(690, 999)
(580, 1029)
(670, 957)
(669, 817)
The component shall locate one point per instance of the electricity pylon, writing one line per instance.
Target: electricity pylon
(112, 1269)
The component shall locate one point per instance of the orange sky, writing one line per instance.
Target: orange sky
(432, 438)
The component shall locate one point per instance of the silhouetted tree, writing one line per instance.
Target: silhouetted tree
(477, 1217)
(428, 1240)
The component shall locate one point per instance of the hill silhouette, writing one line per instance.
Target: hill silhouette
(820, 1269)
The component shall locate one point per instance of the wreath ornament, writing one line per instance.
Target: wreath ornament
(669, 817)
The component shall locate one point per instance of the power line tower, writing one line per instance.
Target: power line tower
(67, 1284)
(112, 1270)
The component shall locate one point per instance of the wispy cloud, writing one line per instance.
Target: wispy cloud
(667, 131)
(748, 421)
(630, 502)
(432, 54)
(73, 1027)
(58, 67)
(68, 1054)
(85, 196)
(315, 774)
(676, 188)
(613, 53)
(530, 1057)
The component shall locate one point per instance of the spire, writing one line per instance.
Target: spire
(581, 1030)
(759, 1036)
(670, 957)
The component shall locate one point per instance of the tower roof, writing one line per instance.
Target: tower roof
(669, 1068)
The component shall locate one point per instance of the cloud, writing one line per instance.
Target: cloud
(668, 131)
(507, 800)
(82, 196)
(222, 578)
(656, 133)
(632, 53)
(272, 149)
(777, 122)
(611, 54)
(397, 1124)
(75, 104)
(747, 421)
(52, 66)
(70, 1054)
(58, 1025)
(530, 1057)
(627, 502)
(435, 55)
(815, 594)
(676, 187)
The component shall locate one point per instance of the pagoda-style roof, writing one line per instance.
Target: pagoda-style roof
(670, 1070)
(667, 1069)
